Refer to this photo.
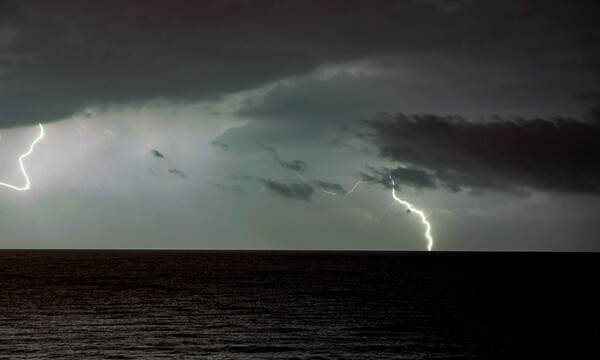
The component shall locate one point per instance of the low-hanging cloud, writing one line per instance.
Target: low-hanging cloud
(293, 190)
(547, 154)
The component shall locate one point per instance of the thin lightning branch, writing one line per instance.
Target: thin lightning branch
(331, 192)
(413, 209)
(387, 208)
(301, 177)
(27, 183)
(328, 192)
(308, 182)
(355, 185)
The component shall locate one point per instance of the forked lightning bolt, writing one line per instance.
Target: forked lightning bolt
(27, 183)
(413, 209)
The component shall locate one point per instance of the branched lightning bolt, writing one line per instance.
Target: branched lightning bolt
(412, 208)
(27, 183)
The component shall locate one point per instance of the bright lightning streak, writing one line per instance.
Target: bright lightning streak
(328, 192)
(27, 183)
(355, 185)
(413, 209)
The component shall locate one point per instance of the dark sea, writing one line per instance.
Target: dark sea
(297, 305)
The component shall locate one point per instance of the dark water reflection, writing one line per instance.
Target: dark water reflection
(221, 305)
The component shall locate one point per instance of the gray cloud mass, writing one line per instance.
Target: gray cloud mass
(300, 191)
(133, 51)
(548, 154)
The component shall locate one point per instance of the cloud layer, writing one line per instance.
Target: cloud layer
(554, 155)
(58, 57)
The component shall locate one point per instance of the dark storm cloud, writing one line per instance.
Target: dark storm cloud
(301, 191)
(334, 99)
(411, 176)
(157, 154)
(586, 95)
(58, 57)
(554, 155)
(177, 172)
(591, 99)
(291, 190)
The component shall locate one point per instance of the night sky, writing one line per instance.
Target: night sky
(247, 124)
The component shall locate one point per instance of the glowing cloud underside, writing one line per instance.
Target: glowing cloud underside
(415, 210)
(27, 183)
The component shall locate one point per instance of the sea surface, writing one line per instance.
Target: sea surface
(297, 305)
